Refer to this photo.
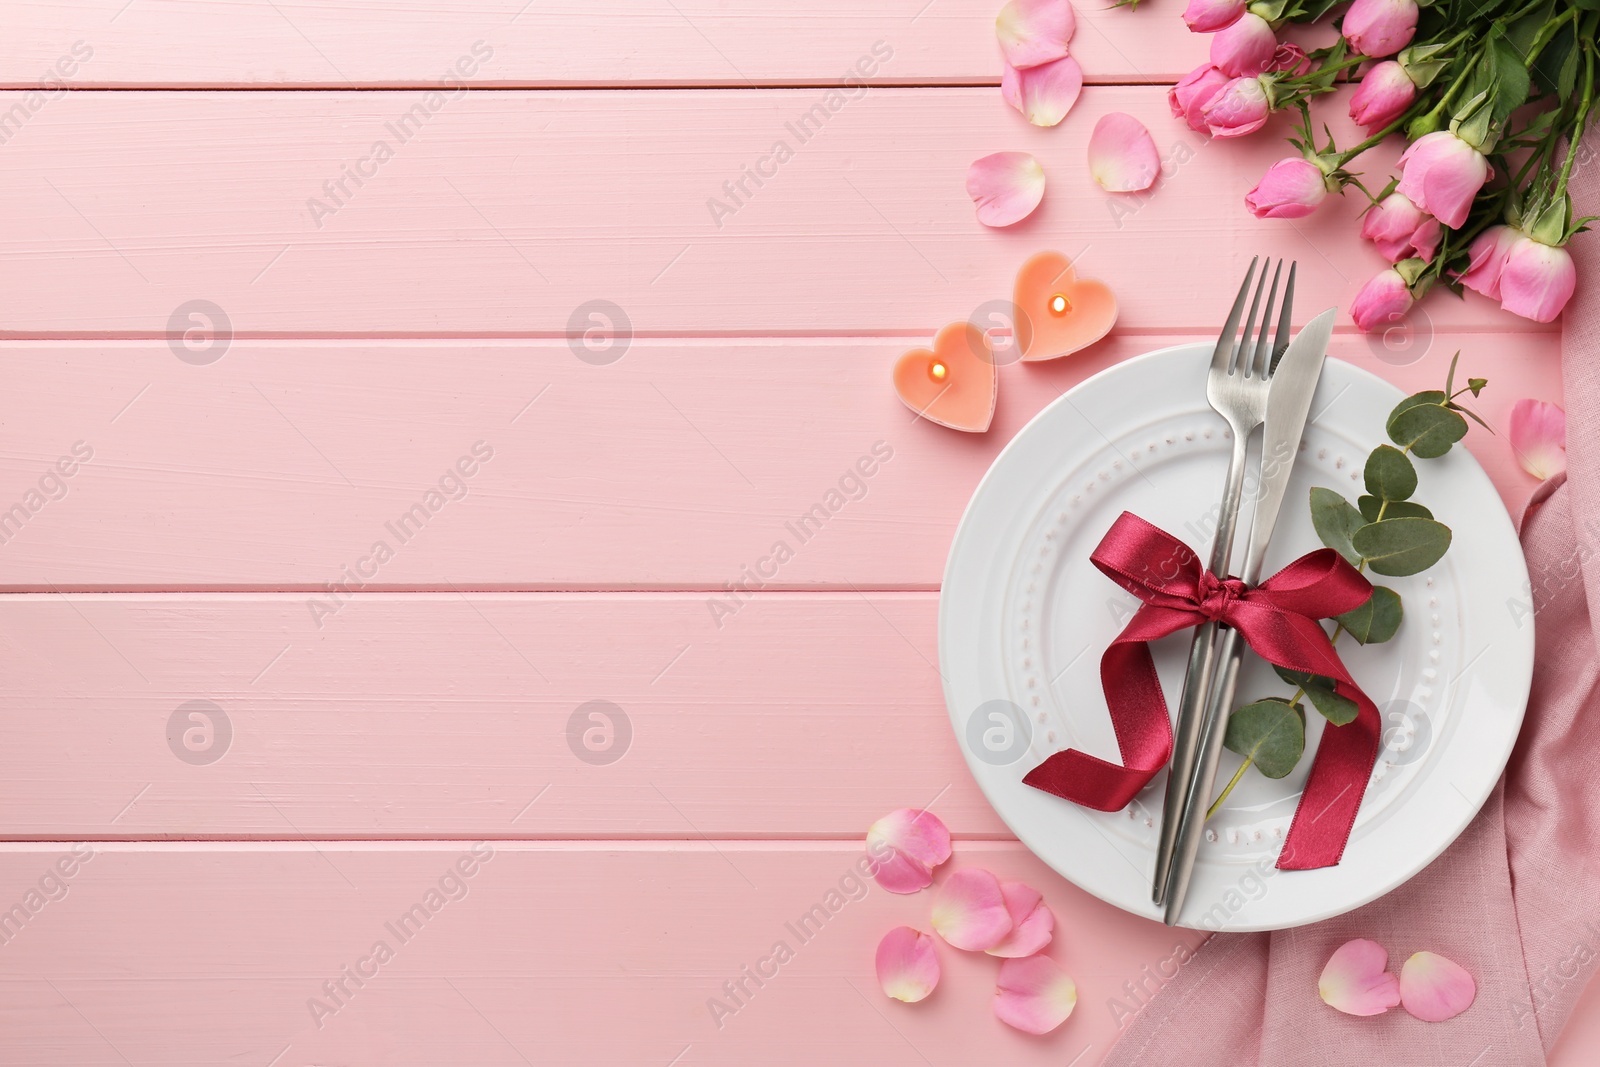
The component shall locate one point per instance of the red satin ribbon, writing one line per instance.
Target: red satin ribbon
(1278, 620)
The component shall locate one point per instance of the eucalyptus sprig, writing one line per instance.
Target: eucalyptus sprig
(1386, 532)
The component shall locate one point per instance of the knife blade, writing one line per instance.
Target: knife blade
(1288, 408)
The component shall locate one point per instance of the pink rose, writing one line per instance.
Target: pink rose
(1194, 92)
(1401, 229)
(1380, 27)
(1241, 107)
(1209, 16)
(1441, 174)
(1291, 189)
(1383, 95)
(1244, 48)
(1537, 281)
(1382, 302)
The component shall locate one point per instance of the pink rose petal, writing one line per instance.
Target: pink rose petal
(1032, 921)
(1355, 982)
(1006, 186)
(1122, 155)
(1538, 433)
(969, 911)
(908, 967)
(1034, 994)
(906, 845)
(1434, 989)
(1032, 32)
(1044, 94)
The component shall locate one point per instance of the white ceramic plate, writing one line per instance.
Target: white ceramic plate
(1024, 617)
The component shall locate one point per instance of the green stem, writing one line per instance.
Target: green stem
(1579, 121)
(1238, 774)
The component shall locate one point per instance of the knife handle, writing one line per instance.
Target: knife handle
(1192, 821)
(1185, 746)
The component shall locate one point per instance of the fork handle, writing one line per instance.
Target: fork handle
(1214, 723)
(1197, 680)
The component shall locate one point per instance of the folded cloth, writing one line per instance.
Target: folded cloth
(1516, 899)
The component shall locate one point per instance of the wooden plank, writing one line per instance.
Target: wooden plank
(439, 715)
(580, 955)
(385, 43)
(512, 213)
(284, 463)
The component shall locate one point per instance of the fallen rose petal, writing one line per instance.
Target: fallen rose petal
(1032, 32)
(908, 967)
(969, 911)
(1044, 94)
(1034, 994)
(1032, 921)
(1538, 434)
(1006, 186)
(1122, 154)
(1355, 982)
(1434, 989)
(905, 846)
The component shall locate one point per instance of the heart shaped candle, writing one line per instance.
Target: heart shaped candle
(954, 383)
(1057, 312)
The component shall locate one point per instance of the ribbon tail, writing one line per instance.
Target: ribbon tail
(1333, 793)
(1138, 715)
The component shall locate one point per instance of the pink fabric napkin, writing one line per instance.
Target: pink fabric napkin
(1516, 900)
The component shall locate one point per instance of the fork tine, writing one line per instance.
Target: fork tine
(1281, 342)
(1222, 357)
(1241, 350)
(1261, 362)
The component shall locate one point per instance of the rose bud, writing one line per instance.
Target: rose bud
(1401, 229)
(1537, 281)
(1442, 174)
(1291, 189)
(1194, 92)
(1383, 95)
(1244, 48)
(1486, 260)
(1241, 107)
(1380, 27)
(1209, 16)
(1382, 302)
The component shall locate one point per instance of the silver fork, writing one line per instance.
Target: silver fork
(1236, 387)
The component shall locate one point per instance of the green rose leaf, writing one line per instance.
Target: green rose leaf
(1397, 509)
(1335, 521)
(1397, 547)
(1429, 431)
(1390, 474)
(1270, 734)
(1335, 708)
(1375, 621)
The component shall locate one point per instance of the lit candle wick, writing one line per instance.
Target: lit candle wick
(1059, 305)
(938, 372)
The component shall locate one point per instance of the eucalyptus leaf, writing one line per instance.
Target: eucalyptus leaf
(1397, 509)
(1377, 620)
(1428, 397)
(1269, 733)
(1390, 474)
(1301, 679)
(1476, 385)
(1428, 430)
(1334, 707)
(1397, 547)
(1335, 521)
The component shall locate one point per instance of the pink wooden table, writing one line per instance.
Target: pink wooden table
(300, 657)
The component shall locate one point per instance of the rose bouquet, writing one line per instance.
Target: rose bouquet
(1493, 96)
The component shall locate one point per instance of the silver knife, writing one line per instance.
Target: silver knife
(1288, 407)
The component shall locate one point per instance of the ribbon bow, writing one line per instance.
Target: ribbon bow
(1278, 619)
